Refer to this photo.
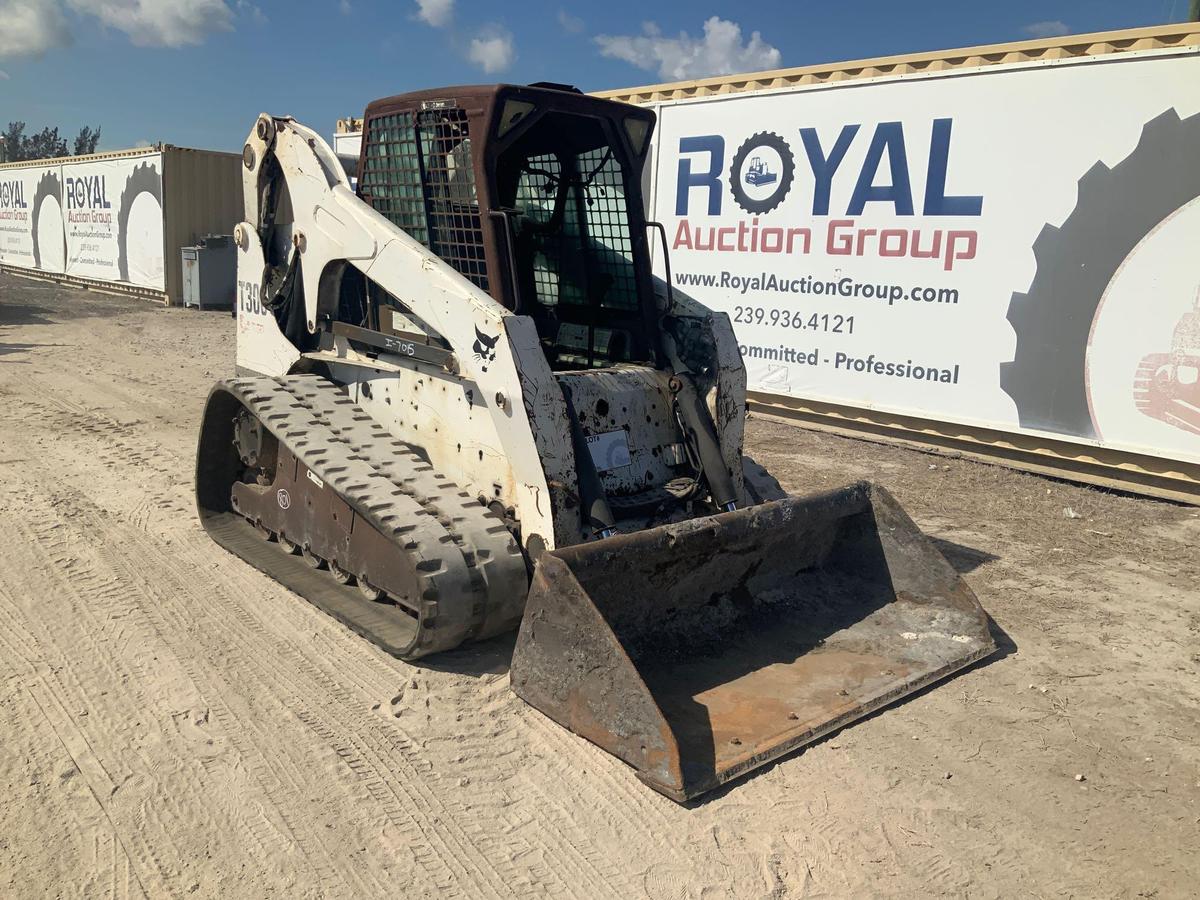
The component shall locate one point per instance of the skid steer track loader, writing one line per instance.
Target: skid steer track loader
(464, 404)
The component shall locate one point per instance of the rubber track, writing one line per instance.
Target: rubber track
(493, 557)
(463, 554)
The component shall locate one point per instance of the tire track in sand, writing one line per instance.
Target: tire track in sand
(97, 597)
(163, 583)
(577, 860)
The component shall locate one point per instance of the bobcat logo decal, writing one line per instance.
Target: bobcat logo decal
(484, 347)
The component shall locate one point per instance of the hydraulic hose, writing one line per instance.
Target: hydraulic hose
(596, 511)
(703, 435)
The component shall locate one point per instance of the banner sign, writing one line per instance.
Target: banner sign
(1013, 248)
(114, 220)
(31, 222)
(100, 219)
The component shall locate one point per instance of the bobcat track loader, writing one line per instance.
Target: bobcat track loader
(465, 404)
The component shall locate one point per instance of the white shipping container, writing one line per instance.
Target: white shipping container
(117, 219)
(996, 238)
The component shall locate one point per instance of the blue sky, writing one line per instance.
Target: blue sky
(196, 72)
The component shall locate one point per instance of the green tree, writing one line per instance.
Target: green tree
(86, 140)
(46, 144)
(14, 141)
(1194, 11)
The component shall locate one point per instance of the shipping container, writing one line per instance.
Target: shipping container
(116, 221)
(987, 251)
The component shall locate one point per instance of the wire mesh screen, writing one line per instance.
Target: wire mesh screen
(537, 248)
(607, 222)
(574, 252)
(587, 256)
(455, 228)
(391, 178)
(419, 175)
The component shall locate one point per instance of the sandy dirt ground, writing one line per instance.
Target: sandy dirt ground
(173, 723)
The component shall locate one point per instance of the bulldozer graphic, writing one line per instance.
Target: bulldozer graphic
(759, 173)
(1166, 386)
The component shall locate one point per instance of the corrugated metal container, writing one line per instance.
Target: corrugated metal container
(199, 192)
(1157, 37)
(1026, 239)
(92, 157)
(203, 195)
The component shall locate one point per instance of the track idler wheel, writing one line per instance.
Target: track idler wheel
(340, 575)
(369, 590)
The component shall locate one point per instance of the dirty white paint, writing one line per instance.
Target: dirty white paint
(496, 422)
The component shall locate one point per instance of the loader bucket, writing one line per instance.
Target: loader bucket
(701, 650)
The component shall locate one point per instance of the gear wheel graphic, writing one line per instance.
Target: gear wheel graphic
(49, 185)
(787, 163)
(1115, 209)
(144, 179)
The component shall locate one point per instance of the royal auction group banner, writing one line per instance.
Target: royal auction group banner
(1012, 247)
(31, 224)
(99, 219)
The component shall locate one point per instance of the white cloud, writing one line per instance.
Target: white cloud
(160, 23)
(253, 11)
(571, 24)
(31, 27)
(345, 8)
(4, 76)
(493, 50)
(435, 12)
(1049, 29)
(720, 52)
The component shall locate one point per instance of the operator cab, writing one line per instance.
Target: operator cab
(532, 193)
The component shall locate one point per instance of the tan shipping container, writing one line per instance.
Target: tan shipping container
(202, 194)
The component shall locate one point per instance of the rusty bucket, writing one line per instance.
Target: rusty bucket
(699, 651)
